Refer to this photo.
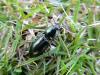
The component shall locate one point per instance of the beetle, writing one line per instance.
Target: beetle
(42, 44)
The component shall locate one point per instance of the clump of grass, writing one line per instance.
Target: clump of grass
(77, 49)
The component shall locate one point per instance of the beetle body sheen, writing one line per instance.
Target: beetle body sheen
(39, 46)
(50, 33)
(43, 42)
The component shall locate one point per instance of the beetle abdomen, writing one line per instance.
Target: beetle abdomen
(39, 46)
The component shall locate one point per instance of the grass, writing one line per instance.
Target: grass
(77, 50)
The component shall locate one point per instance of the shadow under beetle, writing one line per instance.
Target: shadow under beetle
(42, 44)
